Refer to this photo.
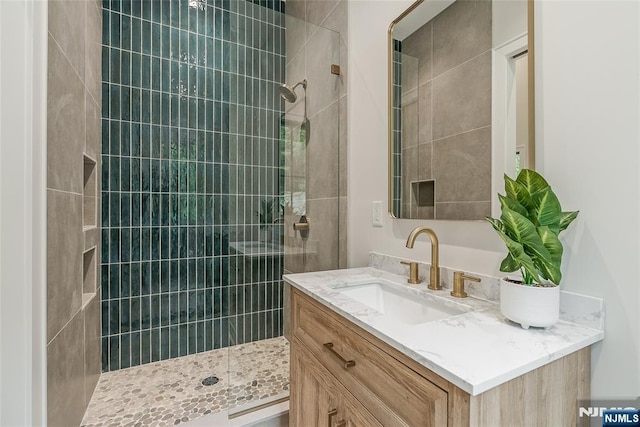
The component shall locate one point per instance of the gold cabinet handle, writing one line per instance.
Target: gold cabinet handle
(332, 413)
(342, 423)
(346, 363)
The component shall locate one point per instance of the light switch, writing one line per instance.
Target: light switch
(376, 213)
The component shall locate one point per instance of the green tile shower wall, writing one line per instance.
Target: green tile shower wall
(190, 147)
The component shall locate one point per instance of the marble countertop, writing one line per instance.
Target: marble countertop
(476, 350)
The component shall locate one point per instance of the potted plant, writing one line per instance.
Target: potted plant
(266, 217)
(529, 225)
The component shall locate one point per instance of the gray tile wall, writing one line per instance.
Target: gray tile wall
(452, 144)
(191, 121)
(73, 130)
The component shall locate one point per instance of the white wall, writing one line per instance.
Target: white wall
(587, 68)
(509, 20)
(587, 56)
(23, 59)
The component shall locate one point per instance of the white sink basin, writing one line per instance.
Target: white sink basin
(397, 305)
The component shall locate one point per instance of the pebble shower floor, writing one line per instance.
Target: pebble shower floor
(170, 392)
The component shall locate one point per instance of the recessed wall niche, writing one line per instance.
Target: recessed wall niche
(424, 192)
(89, 193)
(88, 275)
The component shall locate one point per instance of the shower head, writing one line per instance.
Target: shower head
(288, 93)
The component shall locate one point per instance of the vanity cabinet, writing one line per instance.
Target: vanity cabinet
(341, 375)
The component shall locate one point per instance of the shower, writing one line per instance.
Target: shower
(288, 93)
(187, 263)
(200, 158)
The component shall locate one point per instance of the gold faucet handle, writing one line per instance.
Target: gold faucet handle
(413, 272)
(458, 284)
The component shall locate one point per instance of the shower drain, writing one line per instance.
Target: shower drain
(210, 381)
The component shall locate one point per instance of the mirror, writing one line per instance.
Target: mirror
(460, 106)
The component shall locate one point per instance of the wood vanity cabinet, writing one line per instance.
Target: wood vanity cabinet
(343, 376)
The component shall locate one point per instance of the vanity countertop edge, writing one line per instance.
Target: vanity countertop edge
(476, 351)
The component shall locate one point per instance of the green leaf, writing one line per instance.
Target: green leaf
(567, 218)
(547, 210)
(509, 264)
(518, 192)
(497, 224)
(531, 180)
(550, 270)
(552, 243)
(506, 202)
(519, 227)
(519, 256)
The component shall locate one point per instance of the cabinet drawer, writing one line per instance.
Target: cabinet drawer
(318, 399)
(391, 391)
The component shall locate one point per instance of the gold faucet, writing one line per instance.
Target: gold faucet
(458, 283)
(414, 273)
(434, 281)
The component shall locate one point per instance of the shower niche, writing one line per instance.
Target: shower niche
(89, 266)
(89, 226)
(89, 193)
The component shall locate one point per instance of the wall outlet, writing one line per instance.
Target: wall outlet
(376, 213)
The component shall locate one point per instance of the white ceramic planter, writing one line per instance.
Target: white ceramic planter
(530, 305)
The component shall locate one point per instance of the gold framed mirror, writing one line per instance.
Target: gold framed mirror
(461, 105)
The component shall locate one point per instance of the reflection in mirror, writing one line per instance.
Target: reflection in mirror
(522, 113)
(441, 90)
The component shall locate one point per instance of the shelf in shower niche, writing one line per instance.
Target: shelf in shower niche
(89, 192)
(89, 272)
(255, 249)
(87, 298)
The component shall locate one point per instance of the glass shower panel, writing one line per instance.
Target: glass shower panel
(311, 147)
(299, 177)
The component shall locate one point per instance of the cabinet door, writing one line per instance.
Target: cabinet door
(356, 415)
(311, 401)
(318, 399)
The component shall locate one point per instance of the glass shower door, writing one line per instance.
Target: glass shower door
(299, 137)
(311, 156)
